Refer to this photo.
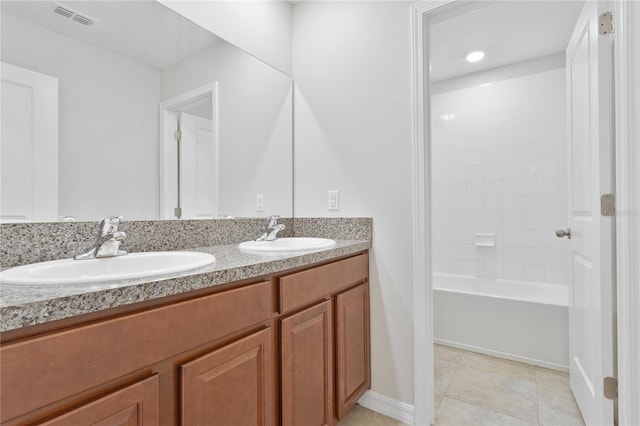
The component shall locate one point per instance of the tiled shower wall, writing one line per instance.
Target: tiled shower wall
(499, 157)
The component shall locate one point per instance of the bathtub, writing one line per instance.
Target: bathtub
(521, 321)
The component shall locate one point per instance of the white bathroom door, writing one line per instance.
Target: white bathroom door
(590, 173)
(198, 168)
(28, 146)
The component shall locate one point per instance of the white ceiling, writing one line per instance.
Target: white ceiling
(508, 32)
(143, 31)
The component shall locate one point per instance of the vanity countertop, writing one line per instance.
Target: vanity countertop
(26, 306)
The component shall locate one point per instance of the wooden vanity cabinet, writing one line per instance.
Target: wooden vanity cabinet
(63, 370)
(325, 347)
(292, 349)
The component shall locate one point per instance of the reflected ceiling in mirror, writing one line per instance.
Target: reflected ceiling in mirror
(126, 84)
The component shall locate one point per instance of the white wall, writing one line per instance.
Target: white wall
(262, 28)
(117, 158)
(499, 168)
(255, 126)
(351, 64)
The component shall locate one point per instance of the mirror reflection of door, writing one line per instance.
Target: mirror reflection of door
(29, 147)
(190, 166)
(198, 179)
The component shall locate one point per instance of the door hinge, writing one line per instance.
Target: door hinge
(608, 205)
(606, 23)
(177, 212)
(611, 388)
(178, 135)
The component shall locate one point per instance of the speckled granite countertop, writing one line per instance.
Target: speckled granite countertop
(25, 306)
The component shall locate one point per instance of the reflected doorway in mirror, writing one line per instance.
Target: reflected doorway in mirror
(189, 155)
(29, 147)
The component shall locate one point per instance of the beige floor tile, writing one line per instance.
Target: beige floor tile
(506, 395)
(559, 418)
(437, 401)
(557, 406)
(360, 416)
(447, 353)
(504, 367)
(443, 372)
(551, 378)
(457, 413)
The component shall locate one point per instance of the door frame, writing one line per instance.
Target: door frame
(627, 131)
(167, 143)
(627, 105)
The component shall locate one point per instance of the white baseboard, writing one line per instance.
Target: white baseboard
(497, 354)
(400, 411)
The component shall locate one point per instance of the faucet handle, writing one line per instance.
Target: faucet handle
(273, 221)
(110, 224)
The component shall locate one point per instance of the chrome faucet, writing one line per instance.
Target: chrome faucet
(108, 240)
(271, 229)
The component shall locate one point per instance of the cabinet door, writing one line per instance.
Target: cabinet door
(232, 385)
(307, 367)
(352, 347)
(135, 405)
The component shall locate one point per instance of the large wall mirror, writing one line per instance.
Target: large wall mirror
(125, 107)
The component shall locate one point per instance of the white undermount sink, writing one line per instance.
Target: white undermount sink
(130, 266)
(287, 244)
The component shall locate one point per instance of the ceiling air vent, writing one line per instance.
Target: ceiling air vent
(63, 11)
(82, 19)
(67, 12)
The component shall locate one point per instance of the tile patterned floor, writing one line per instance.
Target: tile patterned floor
(479, 390)
(475, 389)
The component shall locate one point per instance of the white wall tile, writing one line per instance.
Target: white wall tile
(513, 255)
(492, 188)
(512, 221)
(533, 256)
(493, 269)
(476, 268)
(556, 275)
(513, 271)
(493, 220)
(512, 204)
(513, 238)
(532, 203)
(475, 173)
(532, 221)
(492, 171)
(500, 166)
(492, 204)
(533, 186)
(533, 273)
(531, 169)
(532, 238)
(512, 170)
(457, 189)
(512, 187)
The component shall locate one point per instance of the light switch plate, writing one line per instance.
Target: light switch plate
(334, 199)
(260, 202)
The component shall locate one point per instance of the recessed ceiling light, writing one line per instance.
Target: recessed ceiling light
(474, 56)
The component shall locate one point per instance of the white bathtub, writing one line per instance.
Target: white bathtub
(521, 321)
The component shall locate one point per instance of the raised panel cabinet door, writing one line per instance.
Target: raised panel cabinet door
(135, 405)
(232, 385)
(352, 347)
(307, 367)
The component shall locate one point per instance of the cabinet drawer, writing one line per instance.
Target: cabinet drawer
(43, 370)
(304, 287)
(136, 404)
